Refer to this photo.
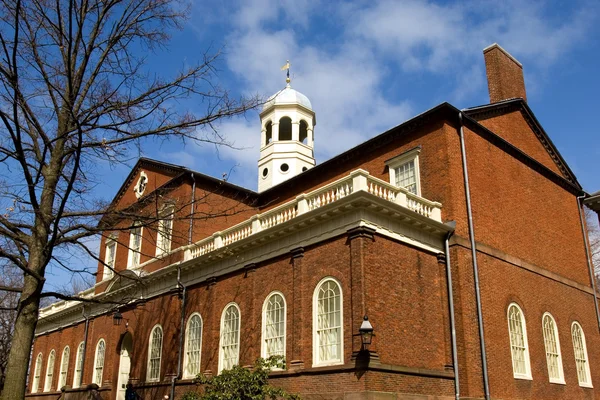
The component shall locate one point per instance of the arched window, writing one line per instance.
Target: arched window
(193, 346)
(99, 362)
(64, 367)
(268, 132)
(273, 322)
(303, 132)
(285, 128)
(328, 345)
(581, 357)
(78, 366)
(37, 374)
(229, 348)
(49, 371)
(552, 345)
(154, 354)
(518, 342)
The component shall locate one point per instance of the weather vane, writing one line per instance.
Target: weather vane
(287, 67)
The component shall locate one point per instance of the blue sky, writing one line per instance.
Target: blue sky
(367, 66)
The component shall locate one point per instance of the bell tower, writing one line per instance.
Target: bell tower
(287, 137)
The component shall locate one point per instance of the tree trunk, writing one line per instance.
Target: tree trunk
(20, 349)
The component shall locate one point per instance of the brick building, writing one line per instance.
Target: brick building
(458, 233)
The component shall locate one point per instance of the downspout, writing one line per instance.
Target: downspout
(181, 331)
(193, 203)
(588, 257)
(486, 385)
(452, 319)
(85, 339)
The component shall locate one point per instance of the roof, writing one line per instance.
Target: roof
(593, 201)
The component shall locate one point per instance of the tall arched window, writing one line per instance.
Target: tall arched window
(64, 367)
(154, 354)
(49, 371)
(328, 345)
(229, 348)
(581, 357)
(193, 346)
(78, 366)
(552, 345)
(99, 362)
(518, 342)
(303, 137)
(285, 128)
(37, 374)
(268, 132)
(273, 322)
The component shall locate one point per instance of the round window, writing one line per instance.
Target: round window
(304, 169)
(265, 172)
(284, 167)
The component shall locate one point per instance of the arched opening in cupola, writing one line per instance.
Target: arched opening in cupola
(269, 132)
(303, 132)
(285, 128)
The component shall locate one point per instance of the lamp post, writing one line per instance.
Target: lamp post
(366, 332)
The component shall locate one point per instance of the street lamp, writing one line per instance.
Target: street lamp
(366, 332)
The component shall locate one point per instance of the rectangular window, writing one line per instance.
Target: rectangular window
(135, 247)
(109, 258)
(165, 231)
(404, 171)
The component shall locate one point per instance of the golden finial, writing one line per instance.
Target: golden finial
(287, 67)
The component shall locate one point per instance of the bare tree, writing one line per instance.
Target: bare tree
(75, 91)
(592, 223)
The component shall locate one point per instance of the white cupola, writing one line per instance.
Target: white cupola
(286, 141)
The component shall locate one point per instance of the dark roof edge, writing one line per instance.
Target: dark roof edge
(474, 111)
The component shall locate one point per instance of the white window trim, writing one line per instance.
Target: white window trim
(37, 373)
(411, 155)
(108, 273)
(316, 361)
(64, 370)
(561, 378)
(154, 328)
(78, 360)
(263, 347)
(163, 242)
(186, 373)
(132, 253)
(588, 373)
(527, 374)
(50, 371)
(221, 354)
(94, 380)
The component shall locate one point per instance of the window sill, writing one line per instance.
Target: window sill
(328, 364)
(523, 377)
(586, 385)
(558, 381)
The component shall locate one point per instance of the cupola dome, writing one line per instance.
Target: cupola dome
(287, 96)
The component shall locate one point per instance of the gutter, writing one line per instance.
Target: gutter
(85, 339)
(588, 257)
(192, 209)
(183, 288)
(451, 309)
(486, 384)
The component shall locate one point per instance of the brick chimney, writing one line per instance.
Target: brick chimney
(504, 74)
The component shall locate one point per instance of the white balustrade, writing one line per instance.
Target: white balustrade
(358, 180)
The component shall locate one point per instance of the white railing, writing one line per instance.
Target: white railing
(357, 180)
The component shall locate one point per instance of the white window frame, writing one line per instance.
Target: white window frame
(149, 377)
(317, 362)
(64, 367)
(165, 236)
(516, 374)
(187, 374)
(264, 348)
(99, 363)
(588, 376)
(549, 354)
(108, 273)
(49, 371)
(134, 255)
(400, 160)
(78, 366)
(235, 345)
(37, 373)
